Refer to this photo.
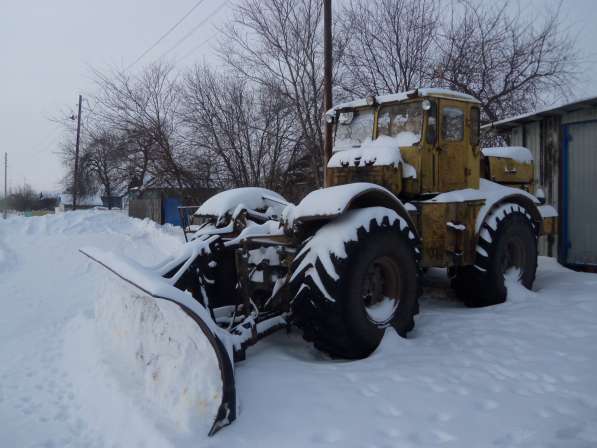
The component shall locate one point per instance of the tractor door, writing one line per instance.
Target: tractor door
(451, 151)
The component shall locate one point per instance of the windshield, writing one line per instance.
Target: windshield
(402, 121)
(354, 128)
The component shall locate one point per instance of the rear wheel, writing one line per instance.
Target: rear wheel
(507, 244)
(345, 297)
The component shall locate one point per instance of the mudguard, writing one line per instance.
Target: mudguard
(155, 283)
(331, 202)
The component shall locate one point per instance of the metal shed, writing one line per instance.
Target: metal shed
(161, 204)
(563, 141)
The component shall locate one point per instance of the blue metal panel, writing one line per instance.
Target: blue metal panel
(171, 215)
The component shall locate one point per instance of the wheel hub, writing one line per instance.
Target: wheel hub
(513, 256)
(380, 289)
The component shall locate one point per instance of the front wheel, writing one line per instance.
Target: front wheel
(354, 278)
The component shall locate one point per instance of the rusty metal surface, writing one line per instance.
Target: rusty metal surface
(448, 232)
(504, 170)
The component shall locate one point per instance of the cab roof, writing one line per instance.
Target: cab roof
(401, 96)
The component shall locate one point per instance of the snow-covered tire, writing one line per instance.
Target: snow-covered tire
(213, 278)
(331, 281)
(507, 239)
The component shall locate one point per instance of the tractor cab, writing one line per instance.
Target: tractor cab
(404, 141)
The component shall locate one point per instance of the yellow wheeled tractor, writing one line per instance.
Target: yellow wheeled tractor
(408, 187)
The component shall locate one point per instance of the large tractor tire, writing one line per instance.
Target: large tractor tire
(507, 240)
(354, 278)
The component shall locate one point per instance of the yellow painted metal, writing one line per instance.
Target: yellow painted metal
(451, 161)
(458, 160)
(507, 171)
(389, 177)
(448, 232)
(550, 226)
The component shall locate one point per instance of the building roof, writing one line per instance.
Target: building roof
(512, 122)
(401, 96)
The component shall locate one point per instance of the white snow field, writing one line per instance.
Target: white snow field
(521, 374)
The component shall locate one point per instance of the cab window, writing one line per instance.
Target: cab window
(452, 124)
(402, 121)
(354, 128)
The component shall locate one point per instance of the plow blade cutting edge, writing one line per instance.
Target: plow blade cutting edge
(154, 282)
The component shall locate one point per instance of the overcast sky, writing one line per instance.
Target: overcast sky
(48, 46)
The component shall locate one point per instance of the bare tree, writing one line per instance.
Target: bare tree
(104, 155)
(390, 45)
(258, 121)
(508, 60)
(247, 133)
(86, 181)
(144, 109)
(277, 44)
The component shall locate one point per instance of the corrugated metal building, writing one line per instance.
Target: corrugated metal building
(563, 141)
(161, 204)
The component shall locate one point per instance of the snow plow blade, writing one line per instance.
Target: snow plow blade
(157, 283)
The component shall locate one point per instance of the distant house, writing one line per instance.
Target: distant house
(160, 204)
(563, 141)
(112, 201)
(86, 202)
(83, 202)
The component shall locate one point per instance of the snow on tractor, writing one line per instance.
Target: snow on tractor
(407, 188)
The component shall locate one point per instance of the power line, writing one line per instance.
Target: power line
(195, 28)
(166, 34)
(193, 50)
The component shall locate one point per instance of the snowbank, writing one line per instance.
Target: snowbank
(159, 347)
(519, 374)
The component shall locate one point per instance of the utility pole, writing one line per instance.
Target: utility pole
(76, 184)
(5, 185)
(327, 77)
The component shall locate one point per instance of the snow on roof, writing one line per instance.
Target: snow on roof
(401, 96)
(551, 110)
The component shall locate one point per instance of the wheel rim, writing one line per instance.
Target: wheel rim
(513, 256)
(380, 290)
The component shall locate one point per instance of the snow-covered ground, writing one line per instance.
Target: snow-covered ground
(519, 374)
